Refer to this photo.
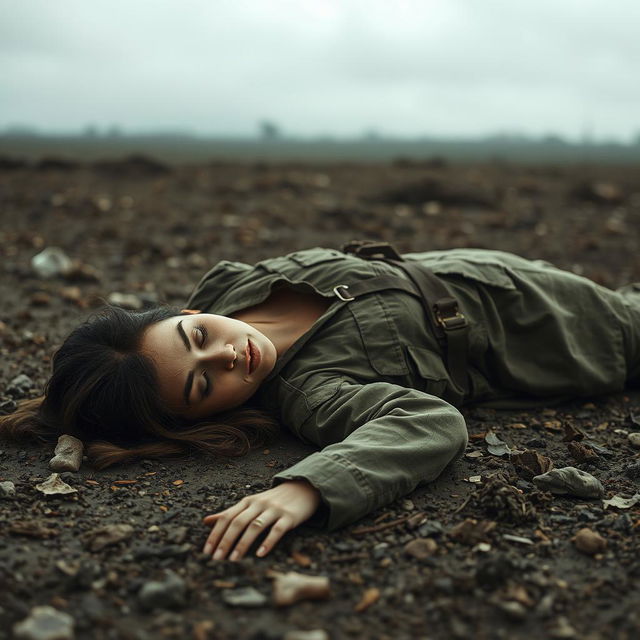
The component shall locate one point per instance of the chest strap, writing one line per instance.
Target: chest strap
(446, 321)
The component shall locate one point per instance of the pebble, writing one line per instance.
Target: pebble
(562, 629)
(421, 548)
(570, 481)
(430, 528)
(98, 539)
(291, 587)
(68, 454)
(45, 623)
(589, 541)
(7, 489)
(125, 300)
(170, 593)
(244, 597)
(514, 610)
(51, 262)
(634, 439)
(20, 385)
(55, 486)
(313, 634)
(632, 470)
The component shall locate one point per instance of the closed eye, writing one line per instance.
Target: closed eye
(207, 386)
(202, 335)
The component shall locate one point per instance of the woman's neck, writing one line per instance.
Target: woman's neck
(284, 316)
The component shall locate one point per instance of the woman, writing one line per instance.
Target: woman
(351, 352)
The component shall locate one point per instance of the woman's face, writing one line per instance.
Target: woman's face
(207, 363)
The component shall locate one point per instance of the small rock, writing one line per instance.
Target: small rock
(513, 609)
(40, 299)
(430, 528)
(51, 262)
(170, 593)
(245, 597)
(45, 623)
(19, 386)
(54, 486)
(632, 470)
(561, 628)
(589, 542)
(98, 539)
(177, 535)
(313, 634)
(421, 548)
(7, 489)
(125, 300)
(416, 520)
(68, 454)
(634, 439)
(292, 587)
(471, 531)
(570, 481)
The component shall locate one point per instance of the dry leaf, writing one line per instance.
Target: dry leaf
(530, 463)
(368, 598)
(620, 502)
(495, 446)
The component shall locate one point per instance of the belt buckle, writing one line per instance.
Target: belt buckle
(449, 322)
(341, 295)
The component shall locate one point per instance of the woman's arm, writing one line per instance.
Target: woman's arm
(380, 440)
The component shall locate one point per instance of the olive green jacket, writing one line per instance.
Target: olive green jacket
(367, 383)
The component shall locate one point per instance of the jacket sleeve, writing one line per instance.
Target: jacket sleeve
(379, 441)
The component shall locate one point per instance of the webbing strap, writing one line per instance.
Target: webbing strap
(446, 322)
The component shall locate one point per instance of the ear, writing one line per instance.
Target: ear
(190, 311)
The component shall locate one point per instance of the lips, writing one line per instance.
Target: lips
(254, 356)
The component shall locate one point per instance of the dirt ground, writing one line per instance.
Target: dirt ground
(503, 562)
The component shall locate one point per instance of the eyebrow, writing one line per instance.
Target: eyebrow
(187, 385)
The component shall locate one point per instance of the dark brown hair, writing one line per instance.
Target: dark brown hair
(105, 392)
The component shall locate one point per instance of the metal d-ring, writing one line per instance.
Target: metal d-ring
(341, 295)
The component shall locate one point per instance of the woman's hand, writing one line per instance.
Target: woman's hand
(282, 508)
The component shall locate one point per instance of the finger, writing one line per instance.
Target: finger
(281, 527)
(221, 522)
(251, 532)
(233, 530)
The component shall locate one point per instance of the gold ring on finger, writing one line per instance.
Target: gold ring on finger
(259, 522)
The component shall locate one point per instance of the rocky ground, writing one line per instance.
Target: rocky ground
(481, 553)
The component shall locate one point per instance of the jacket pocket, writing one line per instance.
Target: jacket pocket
(431, 369)
(485, 272)
(379, 335)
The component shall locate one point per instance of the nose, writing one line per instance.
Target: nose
(220, 355)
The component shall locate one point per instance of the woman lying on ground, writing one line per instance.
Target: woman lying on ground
(365, 356)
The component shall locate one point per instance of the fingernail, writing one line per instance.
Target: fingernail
(234, 556)
(207, 548)
(261, 551)
(218, 554)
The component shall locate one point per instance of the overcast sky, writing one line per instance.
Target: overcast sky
(340, 67)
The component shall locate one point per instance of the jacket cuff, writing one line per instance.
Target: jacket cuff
(344, 492)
